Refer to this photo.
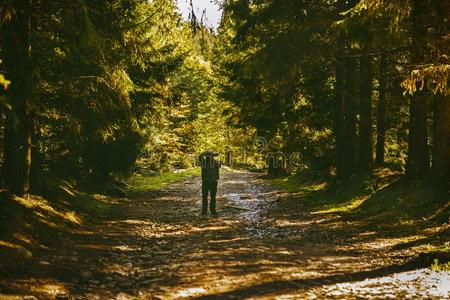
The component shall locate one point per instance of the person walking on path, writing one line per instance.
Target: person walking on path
(210, 176)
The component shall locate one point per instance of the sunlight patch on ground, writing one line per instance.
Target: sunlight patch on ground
(51, 289)
(120, 269)
(208, 229)
(43, 209)
(133, 222)
(344, 207)
(367, 233)
(46, 288)
(141, 183)
(378, 243)
(297, 187)
(417, 282)
(16, 247)
(190, 292)
(296, 223)
(235, 182)
(98, 246)
(9, 245)
(125, 248)
(228, 240)
(177, 231)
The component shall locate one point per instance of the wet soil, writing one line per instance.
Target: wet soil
(262, 245)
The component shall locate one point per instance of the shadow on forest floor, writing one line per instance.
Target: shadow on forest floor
(312, 241)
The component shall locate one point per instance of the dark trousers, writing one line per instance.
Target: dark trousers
(211, 188)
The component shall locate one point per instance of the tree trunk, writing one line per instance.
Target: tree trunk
(276, 164)
(365, 121)
(38, 157)
(350, 137)
(19, 119)
(441, 122)
(339, 118)
(441, 145)
(418, 152)
(381, 112)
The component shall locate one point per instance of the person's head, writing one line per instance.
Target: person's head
(207, 158)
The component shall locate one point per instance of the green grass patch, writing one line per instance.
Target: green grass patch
(142, 183)
(345, 207)
(384, 196)
(438, 266)
(299, 184)
(417, 211)
(324, 195)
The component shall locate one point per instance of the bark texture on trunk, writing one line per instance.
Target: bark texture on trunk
(441, 126)
(19, 120)
(365, 121)
(418, 151)
(441, 144)
(350, 103)
(381, 112)
(339, 119)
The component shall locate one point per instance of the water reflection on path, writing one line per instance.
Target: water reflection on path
(251, 203)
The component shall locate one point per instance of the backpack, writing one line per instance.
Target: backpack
(210, 169)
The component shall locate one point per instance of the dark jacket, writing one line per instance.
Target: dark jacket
(210, 169)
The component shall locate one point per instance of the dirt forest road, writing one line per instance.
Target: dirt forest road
(261, 246)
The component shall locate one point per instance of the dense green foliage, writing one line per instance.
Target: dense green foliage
(92, 90)
(106, 106)
(110, 86)
(312, 75)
